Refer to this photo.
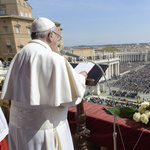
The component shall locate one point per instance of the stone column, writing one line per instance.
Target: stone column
(97, 89)
(132, 57)
(107, 74)
(118, 73)
(112, 70)
(116, 70)
(141, 57)
(109, 71)
(145, 57)
(75, 60)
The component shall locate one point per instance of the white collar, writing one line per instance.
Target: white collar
(40, 42)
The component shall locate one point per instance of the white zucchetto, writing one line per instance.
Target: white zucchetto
(41, 24)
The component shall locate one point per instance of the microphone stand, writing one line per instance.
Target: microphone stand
(114, 124)
(64, 52)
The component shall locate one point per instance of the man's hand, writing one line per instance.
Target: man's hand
(84, 73)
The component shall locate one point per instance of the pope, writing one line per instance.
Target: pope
(41, 85)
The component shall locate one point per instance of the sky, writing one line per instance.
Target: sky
(97, 22)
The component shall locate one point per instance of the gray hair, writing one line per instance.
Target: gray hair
(41, 35)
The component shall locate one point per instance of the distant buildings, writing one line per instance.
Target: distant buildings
(15, 22)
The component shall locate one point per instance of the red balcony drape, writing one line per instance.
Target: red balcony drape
(3, 145)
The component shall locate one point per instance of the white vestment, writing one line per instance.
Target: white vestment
(41, 85)
(3, 126)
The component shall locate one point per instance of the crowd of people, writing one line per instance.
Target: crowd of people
(4, 64)
(118, 103)
(136, 81)
(125, 66)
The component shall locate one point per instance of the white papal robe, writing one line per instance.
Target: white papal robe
(41, 85)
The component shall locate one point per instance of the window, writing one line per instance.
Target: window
(24, 4)
(28, 30)
(9, 60)
(17, 26)
(8, 42)
(0, 1)
(58, 48)
(20, 46)
(17, 29)
(1, 11)
(21, 13)
(26, 14)
(9, 48)
(19, 3)
(30, 15)
(6, 29)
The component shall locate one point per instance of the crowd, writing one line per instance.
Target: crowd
(5, 64)
(108, 102)
(137, 81)
(125, 66)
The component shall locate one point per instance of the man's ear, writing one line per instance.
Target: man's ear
(50, 36)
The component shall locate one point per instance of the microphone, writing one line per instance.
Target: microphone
(64, 52)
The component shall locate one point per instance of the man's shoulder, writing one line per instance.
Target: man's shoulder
(40, 51)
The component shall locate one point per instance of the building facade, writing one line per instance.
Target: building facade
(15, 22)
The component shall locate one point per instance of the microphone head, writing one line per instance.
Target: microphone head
(63, 52)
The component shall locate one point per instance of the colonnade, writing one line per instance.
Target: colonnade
(132, 56)
(112, 70)
(113, 67)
